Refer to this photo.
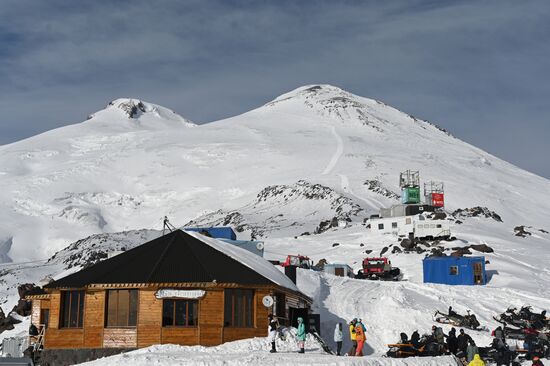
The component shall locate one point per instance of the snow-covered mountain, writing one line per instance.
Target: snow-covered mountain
(133, 162)
(317, 160)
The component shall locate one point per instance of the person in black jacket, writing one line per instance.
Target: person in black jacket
(463, 340)
(503, 355)
(415, 339)
(499, 333)
(272, 331)
(452, 342)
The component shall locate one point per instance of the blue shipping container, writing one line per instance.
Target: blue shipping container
(455, 270)
(220, 232)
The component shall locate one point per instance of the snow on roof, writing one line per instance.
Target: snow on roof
(252, 261)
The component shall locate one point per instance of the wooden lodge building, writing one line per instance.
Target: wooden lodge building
(181, 288)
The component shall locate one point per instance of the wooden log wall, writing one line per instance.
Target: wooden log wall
(35, 312)
(120, 338)
(211, 318)
(209, 332)
(94, 319)
(149, 319)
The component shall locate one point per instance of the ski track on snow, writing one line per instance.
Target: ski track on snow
(345, 185)
(337, 154)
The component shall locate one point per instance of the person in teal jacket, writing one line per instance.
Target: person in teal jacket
(301, 334)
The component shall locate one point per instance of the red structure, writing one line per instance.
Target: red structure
(434, 194)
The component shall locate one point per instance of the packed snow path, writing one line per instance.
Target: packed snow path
(254, 352)
(337, 154)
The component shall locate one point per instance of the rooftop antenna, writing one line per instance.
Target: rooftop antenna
(167, 225)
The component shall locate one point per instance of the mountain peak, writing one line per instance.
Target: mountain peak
(132, 107)
(139, 112)
(317, 91)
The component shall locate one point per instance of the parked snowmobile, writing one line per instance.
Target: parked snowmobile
(521, 333)
(465, 321)
(490, 354)
(524, 318)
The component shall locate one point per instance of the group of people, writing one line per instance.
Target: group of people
(273, 331)
(357, 336)
(461, 345)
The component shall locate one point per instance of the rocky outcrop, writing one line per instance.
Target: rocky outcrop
(275, 208)
(476, 212)
(377, 187)
(521, 231)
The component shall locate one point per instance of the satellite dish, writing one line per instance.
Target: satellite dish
(267, 301)
(260, 245)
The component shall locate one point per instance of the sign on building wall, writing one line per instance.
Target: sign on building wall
(179, 294)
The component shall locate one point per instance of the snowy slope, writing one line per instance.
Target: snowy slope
(115, 172)
(276, 172)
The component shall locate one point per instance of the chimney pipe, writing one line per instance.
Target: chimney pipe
(290, 272)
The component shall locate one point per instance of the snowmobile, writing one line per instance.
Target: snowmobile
(525, 318)
(379, 269)
(538, 321)
(519, 333)
(465, 321)
(490, 355)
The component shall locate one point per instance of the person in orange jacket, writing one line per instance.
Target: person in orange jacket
(360, 337)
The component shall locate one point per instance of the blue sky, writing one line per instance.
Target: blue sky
(480, 69)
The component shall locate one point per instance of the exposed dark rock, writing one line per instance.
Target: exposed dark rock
(377, 187)
(321, 264)
(326, 225)
(458, 222)
(396, 249)
(407, 244)
(335, 244)
(484, 248)
(439, 216)
(437, 252)
(476, 212)
(384, 250)
(461, 251)
(368, 251)
(305, 233)
(520, 231)
(544, 231)
(131, 108)
(361, 245)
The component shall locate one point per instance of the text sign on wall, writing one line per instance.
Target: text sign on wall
(438, 200)
(179, 294)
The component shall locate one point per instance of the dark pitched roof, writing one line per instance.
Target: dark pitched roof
(176, 257)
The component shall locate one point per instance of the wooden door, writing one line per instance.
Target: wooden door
(339, 272)
(478, 274)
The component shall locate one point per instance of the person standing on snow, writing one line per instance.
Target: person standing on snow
(462, 341)
(301, 334)
(353, 337)
(476, 361)
(471, 350)
(360, 337)
(438, 334)
(537, 361)
(452, 342)
(338, 337)
(499, 334)
(272, 331)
